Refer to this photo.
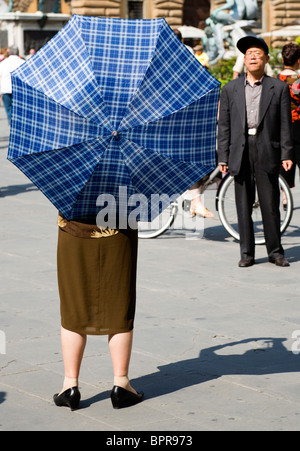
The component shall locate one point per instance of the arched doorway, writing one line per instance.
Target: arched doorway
(195, 12)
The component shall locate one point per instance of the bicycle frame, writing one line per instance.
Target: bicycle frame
(211, 180)
(219, 188)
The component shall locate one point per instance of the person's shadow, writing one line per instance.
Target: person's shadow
(270, 357)
(2, 396)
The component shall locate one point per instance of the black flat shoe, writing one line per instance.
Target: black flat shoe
(69, 398)
(124, 398)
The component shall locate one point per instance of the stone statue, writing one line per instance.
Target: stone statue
(236, 16)
(41, 5)
(239, 10)
(10, 6)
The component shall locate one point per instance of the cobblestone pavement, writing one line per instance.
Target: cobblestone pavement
(213, 346)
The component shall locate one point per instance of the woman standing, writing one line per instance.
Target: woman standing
(97, 287)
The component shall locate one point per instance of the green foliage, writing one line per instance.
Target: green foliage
(223, 70)
(275, 60)
(298, 40)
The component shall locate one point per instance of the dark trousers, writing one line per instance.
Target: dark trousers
(7, 105)
(252, 175)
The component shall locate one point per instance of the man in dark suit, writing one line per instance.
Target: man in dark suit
(254, 139)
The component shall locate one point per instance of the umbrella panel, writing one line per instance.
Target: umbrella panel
(60, 175)
(44, 125)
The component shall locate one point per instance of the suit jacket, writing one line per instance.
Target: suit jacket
(274, 130)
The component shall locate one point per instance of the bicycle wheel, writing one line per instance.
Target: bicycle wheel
(227, 209)
(160, 224)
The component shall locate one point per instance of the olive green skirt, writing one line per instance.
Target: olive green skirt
(97, 282)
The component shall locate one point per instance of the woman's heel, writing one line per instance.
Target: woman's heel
(69, 398)
(120, 397)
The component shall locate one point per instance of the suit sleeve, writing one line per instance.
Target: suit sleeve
(224, 128)
(286, 140)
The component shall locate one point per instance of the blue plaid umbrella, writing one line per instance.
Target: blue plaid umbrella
(111, 103)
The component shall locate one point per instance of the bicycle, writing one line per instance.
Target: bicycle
(225, 206)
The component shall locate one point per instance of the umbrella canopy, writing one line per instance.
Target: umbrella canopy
(110, 103)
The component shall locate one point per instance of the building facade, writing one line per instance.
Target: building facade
(273, 13)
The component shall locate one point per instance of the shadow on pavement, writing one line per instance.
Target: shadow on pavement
(13, 190)
(2, 396)
(271, 358)
(267, 356)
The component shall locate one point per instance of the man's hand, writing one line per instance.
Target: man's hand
(287, 164)
(223, 168)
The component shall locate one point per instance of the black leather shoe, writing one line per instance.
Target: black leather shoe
(120, 397)
(69, 398)
(245, 262)
(281, 261)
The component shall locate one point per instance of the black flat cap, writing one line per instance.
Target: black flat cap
(252, 41)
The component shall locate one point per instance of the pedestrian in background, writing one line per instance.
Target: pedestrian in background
(201, 56)
(254, 140)
(7, 66)
(289, 74)
(179, 35)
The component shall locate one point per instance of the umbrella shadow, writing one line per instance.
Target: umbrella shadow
(272, 358)
(13, 190)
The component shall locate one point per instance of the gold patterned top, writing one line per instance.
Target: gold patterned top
(83, 230)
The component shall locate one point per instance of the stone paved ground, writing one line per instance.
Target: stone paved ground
(213, 342)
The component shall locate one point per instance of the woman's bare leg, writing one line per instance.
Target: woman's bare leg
(120, 346)
(73, 345)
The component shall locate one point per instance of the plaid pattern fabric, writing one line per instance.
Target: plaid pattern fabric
(111, 103)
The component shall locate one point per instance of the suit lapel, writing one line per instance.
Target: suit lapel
(240, 99)
(266, 97)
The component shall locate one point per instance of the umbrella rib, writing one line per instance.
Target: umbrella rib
(87, 181)
(87, 141)
(166, 157)
(149, 63)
